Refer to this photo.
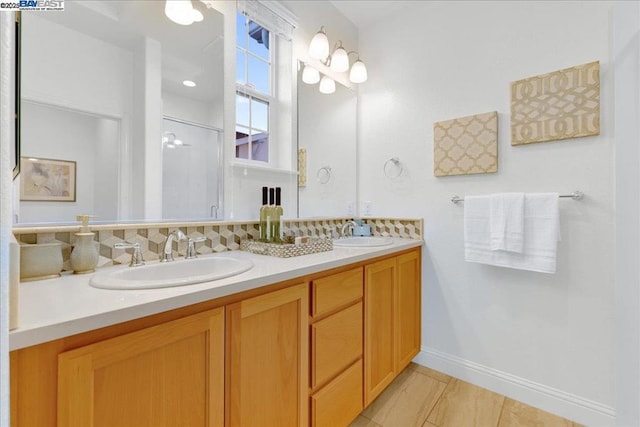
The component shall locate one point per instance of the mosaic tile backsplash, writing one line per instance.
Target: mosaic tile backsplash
(221, 236)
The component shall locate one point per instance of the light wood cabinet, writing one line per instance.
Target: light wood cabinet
(167, 375)
(336, 348)
(392, 320)
(267, 359)
(309, 351)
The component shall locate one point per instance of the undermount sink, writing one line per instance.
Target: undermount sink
(169, 274)
(362, 242)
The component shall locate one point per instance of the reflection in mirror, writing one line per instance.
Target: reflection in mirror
(327, 130)
(104, 84)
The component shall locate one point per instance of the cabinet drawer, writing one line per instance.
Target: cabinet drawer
(335, 343)
(329, 293)
(340, 401)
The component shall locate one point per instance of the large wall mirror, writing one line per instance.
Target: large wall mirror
(327, 133)
(122, 113)
(110, 128)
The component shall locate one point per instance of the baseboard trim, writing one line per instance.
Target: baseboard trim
(567, 405)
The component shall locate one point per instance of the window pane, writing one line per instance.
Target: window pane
(241, 67)
(242, 110)
(259, 115)
(242, 142)
(259, 74)
(259, 40)
(241, 30)
(260, 146)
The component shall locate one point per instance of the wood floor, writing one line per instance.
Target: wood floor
(422, 397)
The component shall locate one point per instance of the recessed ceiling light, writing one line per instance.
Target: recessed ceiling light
(189, 83)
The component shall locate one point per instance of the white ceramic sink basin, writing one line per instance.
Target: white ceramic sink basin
(177, 273)
(363, 242)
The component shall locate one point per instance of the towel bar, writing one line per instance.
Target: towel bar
(576, 195)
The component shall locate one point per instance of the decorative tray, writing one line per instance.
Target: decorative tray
(287, 250)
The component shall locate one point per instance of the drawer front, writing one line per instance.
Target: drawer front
(329, 293)
(340, 401)
(336, 342)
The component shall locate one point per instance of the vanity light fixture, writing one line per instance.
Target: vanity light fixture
(310, 75)
(327, 85)
(338, 62)
(189, 83)
(182, 12)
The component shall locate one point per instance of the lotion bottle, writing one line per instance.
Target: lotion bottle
(84, 256)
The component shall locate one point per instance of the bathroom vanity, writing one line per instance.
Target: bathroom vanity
(305, 341)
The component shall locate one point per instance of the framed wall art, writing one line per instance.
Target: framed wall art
(47, 180)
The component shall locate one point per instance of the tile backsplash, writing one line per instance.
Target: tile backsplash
(221, 236)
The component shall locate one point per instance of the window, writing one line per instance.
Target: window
(254, 89)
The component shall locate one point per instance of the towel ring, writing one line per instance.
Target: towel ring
(324, 174)
(397, 165)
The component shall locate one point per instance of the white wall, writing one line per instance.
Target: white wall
(547, 340)
(89, 141)
(626, 56)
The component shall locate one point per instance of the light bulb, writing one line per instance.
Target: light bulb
(189, 83)
(358, 72)
(327, 85)
(339, 60)
(179, 11)
(310, 75)
(319, 46)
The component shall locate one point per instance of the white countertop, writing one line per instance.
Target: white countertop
(57, 308)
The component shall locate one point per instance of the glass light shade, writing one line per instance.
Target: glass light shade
(310, 75)
(196, 15)
(339, 60)
(179, 11)
(358, 72)
(327, 85)
(189, 83)
(319, 46)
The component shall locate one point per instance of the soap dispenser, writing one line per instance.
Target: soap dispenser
(84, 256)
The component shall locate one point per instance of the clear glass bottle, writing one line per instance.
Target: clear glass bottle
(263, 215)
(277, 218)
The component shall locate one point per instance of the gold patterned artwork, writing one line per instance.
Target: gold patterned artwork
(302, 167)
(466, 145)
(560, 105)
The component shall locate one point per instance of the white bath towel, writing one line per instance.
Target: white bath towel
(506, 221)
(541, 234)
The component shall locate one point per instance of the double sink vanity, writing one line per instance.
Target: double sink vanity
(220, 340)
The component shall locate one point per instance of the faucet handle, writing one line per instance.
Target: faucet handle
(136, 256)
(191, 247)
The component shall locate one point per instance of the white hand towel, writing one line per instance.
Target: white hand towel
(541, 234)
(506, 216)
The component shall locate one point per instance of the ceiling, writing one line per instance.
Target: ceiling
(365, 13)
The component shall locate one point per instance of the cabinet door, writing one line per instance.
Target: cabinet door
(167, 375)
(379, 330)
(408, 319)
(267, 359)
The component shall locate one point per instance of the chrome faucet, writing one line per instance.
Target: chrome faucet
(191, 247)
(346, 226)
(167, 252)
(136, 255)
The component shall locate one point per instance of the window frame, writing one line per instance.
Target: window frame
(250, 92)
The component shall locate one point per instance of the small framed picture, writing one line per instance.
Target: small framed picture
(47, 180)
